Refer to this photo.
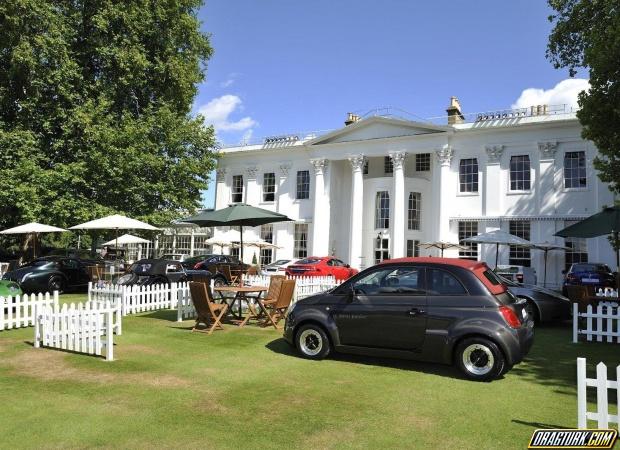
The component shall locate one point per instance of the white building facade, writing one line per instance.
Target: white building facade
(380, 186)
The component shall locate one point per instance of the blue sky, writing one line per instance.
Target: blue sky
(288, 65)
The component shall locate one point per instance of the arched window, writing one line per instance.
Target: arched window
(415, 206)
(382, 210)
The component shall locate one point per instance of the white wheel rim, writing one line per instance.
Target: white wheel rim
(478, 359)
(310, 342)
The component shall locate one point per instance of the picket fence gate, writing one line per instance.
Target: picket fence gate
(602, 385)
(87, 328)
(602, 323)
(18, 311)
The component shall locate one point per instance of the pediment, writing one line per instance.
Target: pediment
(377, 128)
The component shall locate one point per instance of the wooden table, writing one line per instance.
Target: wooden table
(241, 295)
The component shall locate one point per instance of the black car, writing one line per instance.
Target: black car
(52, 273)
(597, 275)
(430, 309)
(158, 271)
(214, 263)
(543, 305)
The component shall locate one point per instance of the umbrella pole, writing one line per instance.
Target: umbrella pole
(442, 252)
(241, 253)
(617, 261)
(496, 254)
(545, 279)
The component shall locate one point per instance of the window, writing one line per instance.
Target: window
(303, 184)
(382, 249)
(237, 189)
(575, 169)
(468, 175)
(365, 168)
(413, 248)
(184, 243)
(441, 282)
(423, 162)
(382, 210)
(165, 244)
(520, 173)
(467, 230)
(578, 252)
(415, 205)
(199, 245)
(392, 280)
(266, 254)
(300, 245)
(234, 251)
(269, 187)
(388, 166)
(520, 256)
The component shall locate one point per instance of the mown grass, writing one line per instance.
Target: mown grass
(245, 388)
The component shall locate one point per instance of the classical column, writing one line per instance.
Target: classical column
(444, 157)
(356, 258)
(398, 189)
(493, 187)
(283, 232)
(221, 192)
(321, 217)
(546, 205)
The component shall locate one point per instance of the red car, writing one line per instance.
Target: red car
(321, 266)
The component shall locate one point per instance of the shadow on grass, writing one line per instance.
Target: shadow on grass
(539, 425)
(63, 350)
(162, 314)
(282, 347)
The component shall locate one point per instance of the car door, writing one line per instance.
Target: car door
(386, 310)
(175, 272)
(71, 268)
(448, 301)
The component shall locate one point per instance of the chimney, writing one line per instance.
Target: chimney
(454, 112)
(351, 118)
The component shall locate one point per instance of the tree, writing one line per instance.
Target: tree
(586, 34)
(95, 102)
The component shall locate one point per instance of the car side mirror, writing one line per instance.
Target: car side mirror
(347, 266)
(351, 293)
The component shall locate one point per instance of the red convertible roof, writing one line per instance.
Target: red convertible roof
(478, 267)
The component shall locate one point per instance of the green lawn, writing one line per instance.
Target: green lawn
(245, 388)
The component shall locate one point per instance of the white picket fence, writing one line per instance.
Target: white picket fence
(136, 299)
(602, 324)
(18, 311)
(602, 385)
(87, 328)
(304, 286)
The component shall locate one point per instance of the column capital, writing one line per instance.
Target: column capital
(494, 153)
(547, 149)
(445, 154)
(320, 165)
(357, 162)
(284, 168)
(220, 174)
(251, 171)
(398, 159)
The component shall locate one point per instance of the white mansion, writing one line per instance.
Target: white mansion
(381, 185)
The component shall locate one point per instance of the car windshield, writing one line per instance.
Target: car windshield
(141, 268)
(308, 261)
(280, 262)
(38, 263)
(503, 280)
(590, 268)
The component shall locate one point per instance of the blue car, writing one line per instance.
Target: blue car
(589, 274)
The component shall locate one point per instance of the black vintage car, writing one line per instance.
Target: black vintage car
(214, 264)
(52, 273)
(158, 271)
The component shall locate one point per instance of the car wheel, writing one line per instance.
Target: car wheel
(532, 311)
(480, 359)
(219, 281)
(56, 283)
(312, 342)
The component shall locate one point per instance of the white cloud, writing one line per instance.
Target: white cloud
(218, 111)
(227, 83)
(565, 92)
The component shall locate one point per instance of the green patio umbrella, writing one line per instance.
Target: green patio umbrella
(605, 222)
(237, 215)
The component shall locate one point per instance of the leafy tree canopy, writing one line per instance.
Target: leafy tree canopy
(95, 99)
(586, 34)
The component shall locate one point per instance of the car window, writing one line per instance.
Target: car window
(70, 264)
(310, 261)
(407, 280)
(332, 262)
(337, 262)
(441, 282)
(172, 268)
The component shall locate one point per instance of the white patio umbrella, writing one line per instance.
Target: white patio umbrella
(546, 247)
(127, 239)
(442, 246)
(498, 237)
(114, 222)
(33, 228)
(261, 244)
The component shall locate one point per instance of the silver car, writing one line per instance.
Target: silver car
(544, 305)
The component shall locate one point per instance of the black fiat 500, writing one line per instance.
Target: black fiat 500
(441, 310)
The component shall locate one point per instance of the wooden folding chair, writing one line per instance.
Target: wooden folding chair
(275, 285)
(225, 270)
(208, 312)
(95, 272)
(252, 270)
(276, 308)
